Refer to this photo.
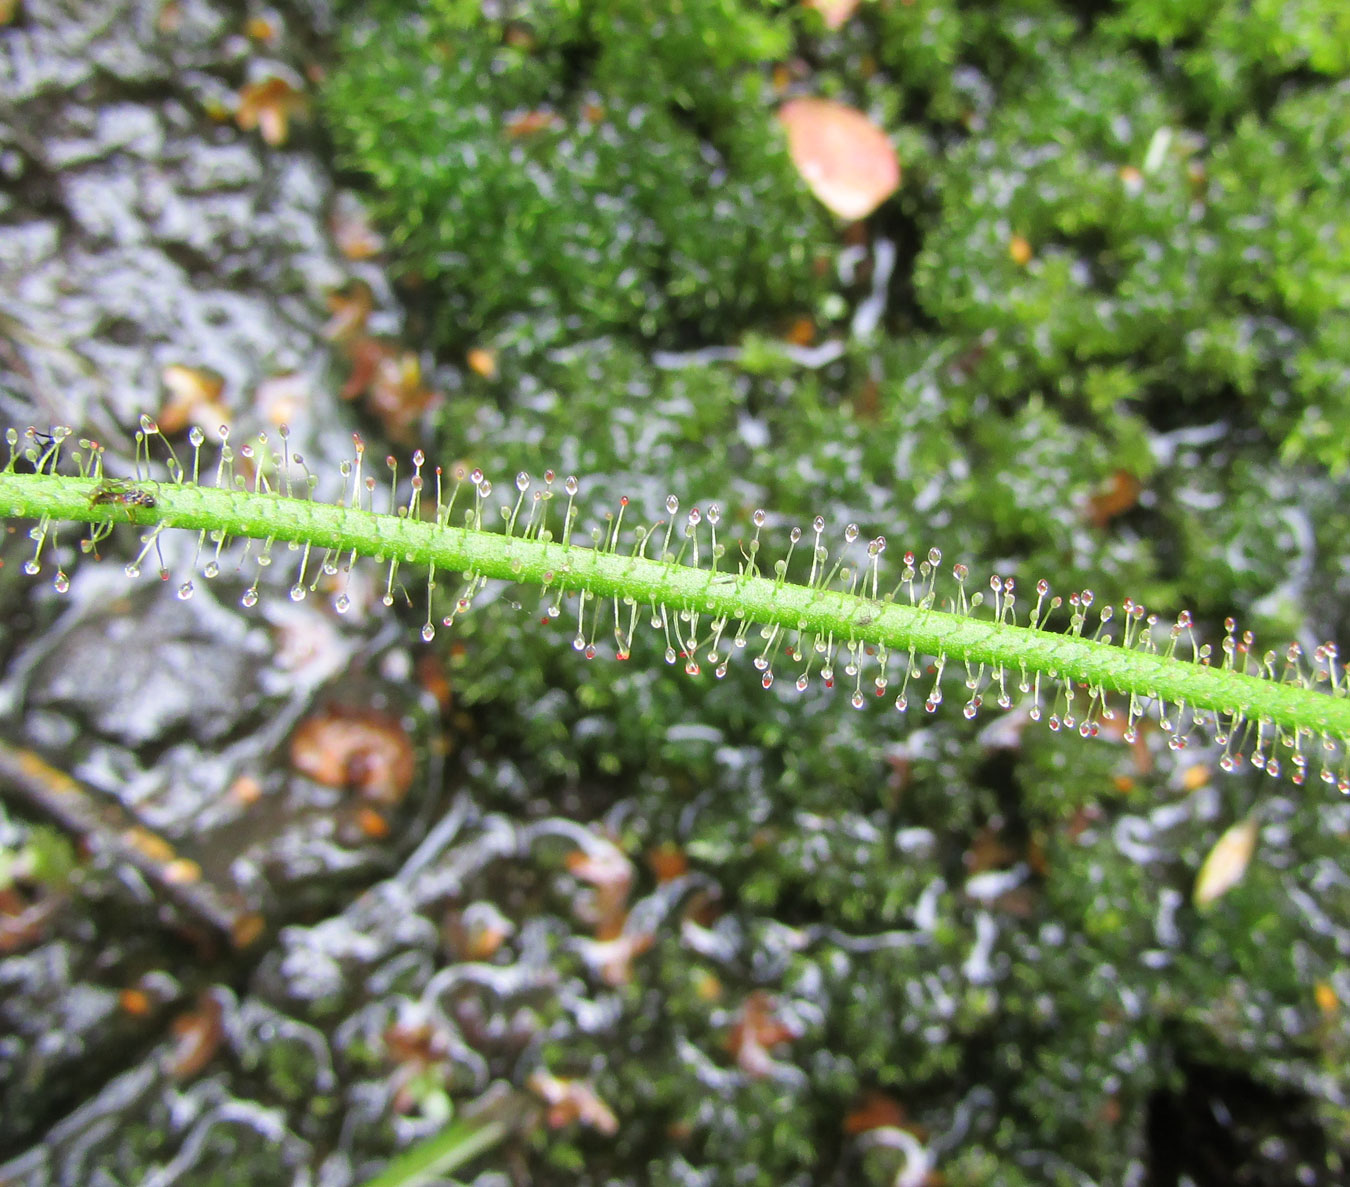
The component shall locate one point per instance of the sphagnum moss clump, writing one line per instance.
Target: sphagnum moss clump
(899, 634)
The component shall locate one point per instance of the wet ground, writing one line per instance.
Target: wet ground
(211, 777)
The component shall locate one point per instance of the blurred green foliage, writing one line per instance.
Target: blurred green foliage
(1120, 249)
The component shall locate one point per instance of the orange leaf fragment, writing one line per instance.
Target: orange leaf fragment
(350, 223)
(477, 932)
(529, 122)
(667, 861)
(1226, 863)
(245, 790)
(572, 1100)
(22, 926)
(372, 824)
(1120, 494)
(755, 1032)
(707, 987)
(608, 870)
(262, 28)
(482, 362)
(846, 159)
(1326, 998)
(135, 1002)
(1020, 250)
(879, 1111)
(802, 332)
(1196, 776)
(269, 106)
(247, 928)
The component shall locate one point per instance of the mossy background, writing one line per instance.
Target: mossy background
(1178, 171)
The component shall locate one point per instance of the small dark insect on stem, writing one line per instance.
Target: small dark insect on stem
(120, 492)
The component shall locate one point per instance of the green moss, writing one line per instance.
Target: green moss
(655, 197)
(1233, 53)
(1121, 250)
(1280, 189)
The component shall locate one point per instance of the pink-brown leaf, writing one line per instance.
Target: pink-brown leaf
(846, 159)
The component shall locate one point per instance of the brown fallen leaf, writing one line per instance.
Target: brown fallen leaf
(846, 159)
(198, 1034)
(419, 1052)
(605, 867)
(613, 959)
(876, 1110)
(1227, 862)
(368, 751)
(22, 927)
(366, 355)
(667, 861)
(397, 395)
(802, 332)
(572, 1100)
(194, 397)
(477, 932)
(135, 1002)
(170, 18)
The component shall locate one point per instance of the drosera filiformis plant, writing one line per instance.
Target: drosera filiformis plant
(844, 614)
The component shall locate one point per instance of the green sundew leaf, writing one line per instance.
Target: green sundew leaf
(457, 1144)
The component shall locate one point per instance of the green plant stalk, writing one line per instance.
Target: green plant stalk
(431, 1160)
(1296, 708)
